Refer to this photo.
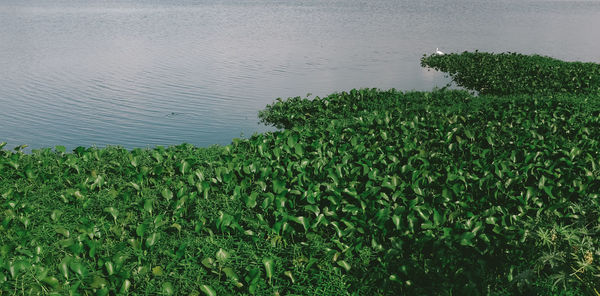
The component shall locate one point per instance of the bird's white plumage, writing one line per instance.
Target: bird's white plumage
(438, 52)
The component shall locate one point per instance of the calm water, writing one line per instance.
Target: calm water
(140, 73)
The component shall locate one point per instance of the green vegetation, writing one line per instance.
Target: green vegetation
(366, 192)
(513, 73)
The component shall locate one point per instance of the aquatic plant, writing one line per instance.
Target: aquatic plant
(365, 192)
(514, 73)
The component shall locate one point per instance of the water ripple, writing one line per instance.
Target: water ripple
(139, 73)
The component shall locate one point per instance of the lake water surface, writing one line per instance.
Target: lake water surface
(139, 73)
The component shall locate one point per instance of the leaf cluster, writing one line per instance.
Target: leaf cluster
(444, 185)
(514, 73)
(365, 192)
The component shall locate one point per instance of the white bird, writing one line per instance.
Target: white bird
(438, 52)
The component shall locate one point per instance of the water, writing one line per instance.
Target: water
(139, 73)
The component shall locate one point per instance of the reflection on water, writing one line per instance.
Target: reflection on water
(145, 73)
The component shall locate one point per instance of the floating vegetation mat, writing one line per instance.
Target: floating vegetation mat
(366, 192)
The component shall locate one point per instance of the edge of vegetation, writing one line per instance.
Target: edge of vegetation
(366, 192)
(514, 73)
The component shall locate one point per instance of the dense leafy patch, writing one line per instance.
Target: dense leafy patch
(365, 192)
(161, 221)
(513, 73)
(465, 183)
(299, 111)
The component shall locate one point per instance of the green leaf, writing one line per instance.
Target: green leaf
(78, 268)
(418, 190)
(548, 190)
(156, 155)
(268, 263)
(490, 220)
(230, 273)
(135, 186)
(279, 186)
(125, 286)
(290, 276)
(157, 271)
(63, 266)
(313, 209)
(298, 150)
(251, 200)
(113, 212)
(63, 231)
(427, 225)
(253, 275)
(185, 166)
(222, 256)
(167, 194)
(396, 221)
(152, 239)
(55, 215)
(437, 218)
(208, 262)
(98, 282)
(167, 288)
(300, 220)
(110, 269)
(51, 281)
(291, 140)
(19, 266)
(140, 230)
(148, 205)
(343, 264)
(208, 290)
(466, 239)
(103, 292)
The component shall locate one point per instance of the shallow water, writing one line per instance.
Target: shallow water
(140, 73)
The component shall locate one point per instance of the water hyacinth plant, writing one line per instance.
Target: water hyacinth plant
(365, 192)
(514, 73)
